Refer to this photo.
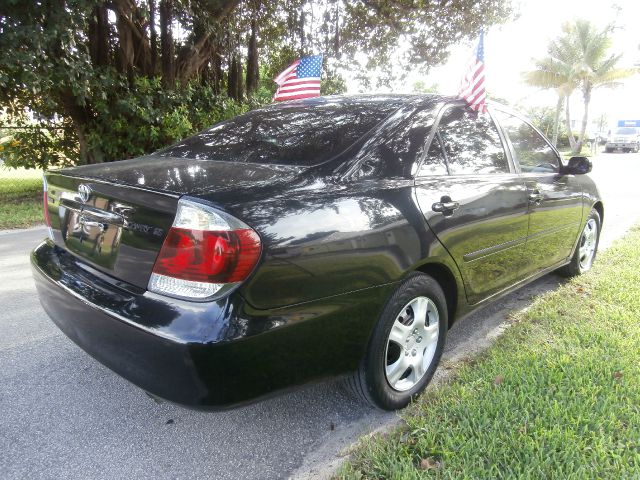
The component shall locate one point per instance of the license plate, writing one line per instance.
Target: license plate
(89, 235)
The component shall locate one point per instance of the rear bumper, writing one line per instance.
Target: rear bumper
(212, 355)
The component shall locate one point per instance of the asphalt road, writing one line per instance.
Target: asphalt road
(63, 415)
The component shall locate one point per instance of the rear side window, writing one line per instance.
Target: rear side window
(471, 143)
(434, 163)
(530, 149)
(294, 134)
(396, 148)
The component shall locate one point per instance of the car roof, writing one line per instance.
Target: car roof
(380, 99)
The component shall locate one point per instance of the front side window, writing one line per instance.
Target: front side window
(471, 143)
(531, 150)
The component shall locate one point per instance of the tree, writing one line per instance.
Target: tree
(556, 72)
(578, 59)
(595, 66)
(66, 66)
(543, 118)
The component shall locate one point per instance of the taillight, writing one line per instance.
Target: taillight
(45, 205)
(205, 254)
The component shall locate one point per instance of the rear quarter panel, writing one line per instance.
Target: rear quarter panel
(322, 239)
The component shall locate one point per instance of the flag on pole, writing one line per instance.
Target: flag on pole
(300, 80)
(472, 86)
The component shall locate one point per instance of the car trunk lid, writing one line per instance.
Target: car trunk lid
(116, 216)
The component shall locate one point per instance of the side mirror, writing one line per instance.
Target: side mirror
(577, 166)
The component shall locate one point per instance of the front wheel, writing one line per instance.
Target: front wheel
(586, 249)
(406, 345)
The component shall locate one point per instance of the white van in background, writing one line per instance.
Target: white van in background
(626, 139)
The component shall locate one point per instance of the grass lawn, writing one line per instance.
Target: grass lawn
(20, 198)
(556, 397)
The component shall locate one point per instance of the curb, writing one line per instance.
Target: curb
(22, 230)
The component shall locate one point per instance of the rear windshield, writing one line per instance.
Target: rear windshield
(626, 131)
(302, 135)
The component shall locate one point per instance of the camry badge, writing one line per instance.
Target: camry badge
(84, 191)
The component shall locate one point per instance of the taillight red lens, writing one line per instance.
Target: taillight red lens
(208, 256)
(45, 204)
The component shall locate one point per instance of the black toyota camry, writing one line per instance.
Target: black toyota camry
(336, 236)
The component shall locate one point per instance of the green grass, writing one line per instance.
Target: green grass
(557, 396)
(585, 152)
(20, 198)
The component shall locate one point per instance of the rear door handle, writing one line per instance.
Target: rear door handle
(448, 206)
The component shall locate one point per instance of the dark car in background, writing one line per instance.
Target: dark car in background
(336, 236)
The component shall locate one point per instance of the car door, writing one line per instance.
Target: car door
(555, 200)
(478, 210)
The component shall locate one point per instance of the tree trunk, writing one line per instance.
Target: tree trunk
(252, 59)
(99, 36)
(556, 120)
(239, 80)
(303, 44)
(586, 96)
(567, 118)
(80, 118)
(166, 43)
(192, 59)
(336, 38)
(89, 155)
(232, 81)
(153, 35)
(133, 41)
(217, 72)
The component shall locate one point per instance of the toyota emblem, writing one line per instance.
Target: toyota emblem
(84, 191)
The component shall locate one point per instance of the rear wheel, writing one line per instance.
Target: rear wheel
(586, 249)
(406, 345)
(608, 149)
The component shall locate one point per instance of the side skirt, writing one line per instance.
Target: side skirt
(496, 296)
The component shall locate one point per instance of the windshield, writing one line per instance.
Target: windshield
(626, 131)
(295, 134)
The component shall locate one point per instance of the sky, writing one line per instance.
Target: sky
(510, 48)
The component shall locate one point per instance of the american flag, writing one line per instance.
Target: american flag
(472, 87)
(300, 80)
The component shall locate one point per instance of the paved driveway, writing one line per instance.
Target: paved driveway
(63, 415)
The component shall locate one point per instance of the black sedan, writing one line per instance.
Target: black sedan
(337, 236)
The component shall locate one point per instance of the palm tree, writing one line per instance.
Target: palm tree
(579, 58)
(595, 66)
(554, 73)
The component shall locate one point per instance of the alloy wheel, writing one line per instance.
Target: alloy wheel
(587, 247)
(412, 343)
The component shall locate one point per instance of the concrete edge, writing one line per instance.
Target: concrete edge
(23, 230)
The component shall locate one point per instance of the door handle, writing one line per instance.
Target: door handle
(445, 206)
(536, 197)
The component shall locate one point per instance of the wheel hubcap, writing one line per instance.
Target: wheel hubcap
(412, 343)
(587, 247)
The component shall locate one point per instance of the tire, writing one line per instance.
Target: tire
(586, 249)
(608, 150)
(420, 352)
